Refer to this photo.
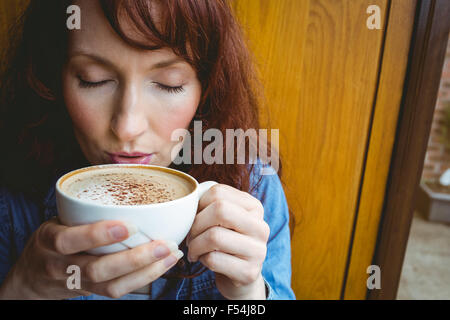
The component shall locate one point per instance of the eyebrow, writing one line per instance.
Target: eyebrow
(104, 61)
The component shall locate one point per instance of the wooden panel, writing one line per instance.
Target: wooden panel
(319, 64)
(394, 63)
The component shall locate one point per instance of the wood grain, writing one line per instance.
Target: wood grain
(319, 64)
(382, 138)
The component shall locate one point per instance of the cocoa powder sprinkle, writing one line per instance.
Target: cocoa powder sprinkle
(125, 190)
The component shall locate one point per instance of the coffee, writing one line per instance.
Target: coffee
(126, 186)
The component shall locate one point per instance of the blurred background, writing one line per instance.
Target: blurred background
(425, 273)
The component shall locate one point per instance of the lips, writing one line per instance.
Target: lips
(133, 158)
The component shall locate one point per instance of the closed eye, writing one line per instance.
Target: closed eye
(169, 88)
(88, 84)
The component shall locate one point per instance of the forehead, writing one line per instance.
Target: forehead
(97, 35)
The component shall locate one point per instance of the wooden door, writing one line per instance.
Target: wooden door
(334, 89)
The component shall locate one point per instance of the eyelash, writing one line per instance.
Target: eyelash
(170, 89)
(87, 84)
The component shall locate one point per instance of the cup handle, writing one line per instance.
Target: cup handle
(205, 186)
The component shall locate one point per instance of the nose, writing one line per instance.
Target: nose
(129, 120)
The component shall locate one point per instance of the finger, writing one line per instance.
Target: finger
(227, 241)
(69, 240)
(231, 216)
(239, 271)
(123, 285)
(240, 198)
(118, 264)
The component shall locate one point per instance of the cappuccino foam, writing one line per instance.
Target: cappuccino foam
(126, 186)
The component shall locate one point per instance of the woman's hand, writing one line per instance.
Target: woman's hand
(229, 236)
(40, 272)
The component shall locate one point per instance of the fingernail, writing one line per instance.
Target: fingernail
(161, 251)
(132, 229)
(165, 249)
(173, 258)
(119, 232)
(173, 247)
(122, 231)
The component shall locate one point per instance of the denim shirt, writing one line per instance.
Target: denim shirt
(20, 217)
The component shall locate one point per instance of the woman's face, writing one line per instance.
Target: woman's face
(125, 101)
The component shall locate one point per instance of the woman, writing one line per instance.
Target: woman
(135, 72)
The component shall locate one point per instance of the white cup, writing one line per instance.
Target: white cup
(169, 220)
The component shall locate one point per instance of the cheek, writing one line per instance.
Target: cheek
(84, 115)
(181, 111)
(173, 122)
